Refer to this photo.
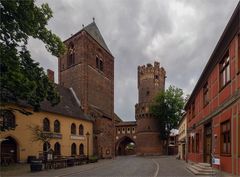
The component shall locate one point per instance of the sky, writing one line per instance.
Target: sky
(180, 34)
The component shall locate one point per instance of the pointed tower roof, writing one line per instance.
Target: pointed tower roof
(94, 32)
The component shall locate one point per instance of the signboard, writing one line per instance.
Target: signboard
(215, 161)
(77, 137)
(52, 135)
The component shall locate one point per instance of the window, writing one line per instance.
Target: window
(46, 146)
(190, 114)
(197, 142)
(73, 149)
(57, 149)
(156, 77)
(226, 137)
(56, 126)
(147, 93)
(81, 149)
(99, 64)
(193, 110)
(119, 131)
(133, 130)
(224, 71)
(73, 129)
(46, 125)
(123, 130)
(193, 149)
(71, 55)
(81, 130)
(239, 53)
(7, 120)
(205, 94)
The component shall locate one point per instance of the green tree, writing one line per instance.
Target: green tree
(21, 78)
(168, 108)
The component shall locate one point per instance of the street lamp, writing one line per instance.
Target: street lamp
(87, 135)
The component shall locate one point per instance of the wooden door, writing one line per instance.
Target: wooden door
(208, 144)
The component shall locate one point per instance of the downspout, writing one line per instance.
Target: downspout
(237, 142)
(232, 140)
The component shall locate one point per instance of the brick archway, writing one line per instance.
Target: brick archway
(125, 146)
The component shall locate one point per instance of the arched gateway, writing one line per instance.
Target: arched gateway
(9, 149)
(125, 138)
(125, 146)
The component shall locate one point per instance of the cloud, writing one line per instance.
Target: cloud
(181, 35)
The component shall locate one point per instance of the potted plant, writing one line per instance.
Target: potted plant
(93, 159)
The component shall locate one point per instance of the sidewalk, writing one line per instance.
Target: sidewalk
(24, 170)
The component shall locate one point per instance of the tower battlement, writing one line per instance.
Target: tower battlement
(149, 68)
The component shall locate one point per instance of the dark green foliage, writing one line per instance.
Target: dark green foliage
(168, 107)
(22, 79)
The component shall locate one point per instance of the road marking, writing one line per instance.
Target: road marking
(157, 170)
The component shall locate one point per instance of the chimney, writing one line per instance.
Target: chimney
(50, 74)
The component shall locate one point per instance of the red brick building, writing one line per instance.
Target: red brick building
(88, 68)
(213, 109)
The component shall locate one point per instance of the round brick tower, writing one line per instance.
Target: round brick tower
(151, 79)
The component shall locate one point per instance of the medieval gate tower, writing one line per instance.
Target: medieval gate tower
(151, 80)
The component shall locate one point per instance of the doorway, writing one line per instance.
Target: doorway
(9, 149)
(183, 151)
(207, 143)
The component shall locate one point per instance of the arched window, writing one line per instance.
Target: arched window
(73, 129)
(46, 125)
(57, 148)
(74, 149)
(81, 130)
(8, 120)
(56, 126)
(97, 63)
(46, 146)
(101, 65)
(71, 55)
(81, 149)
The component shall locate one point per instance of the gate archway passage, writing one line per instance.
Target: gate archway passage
(126, 146)
(125, 138)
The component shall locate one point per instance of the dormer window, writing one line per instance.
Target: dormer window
(71, 55)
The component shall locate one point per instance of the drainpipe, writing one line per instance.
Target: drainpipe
(232, 140)
(237, 142)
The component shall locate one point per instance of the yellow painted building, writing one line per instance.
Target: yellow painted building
(182, 135)
(70, 129)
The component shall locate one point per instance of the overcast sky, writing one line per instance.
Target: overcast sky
(180, 34)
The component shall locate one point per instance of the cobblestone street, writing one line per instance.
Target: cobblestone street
(124, 166)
